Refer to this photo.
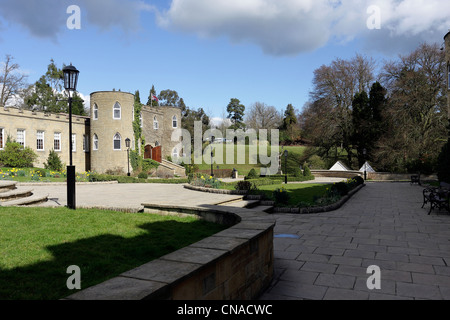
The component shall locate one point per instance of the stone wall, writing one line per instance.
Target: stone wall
(105, 127)
(13, 119)
(235, 264)
(162, 135)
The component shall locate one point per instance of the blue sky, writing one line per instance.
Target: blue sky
(210, 51)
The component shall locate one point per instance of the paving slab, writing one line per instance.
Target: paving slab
(387, 227)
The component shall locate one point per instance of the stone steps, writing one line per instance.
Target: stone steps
(28, 201)
(15, 194)
(6, 186)
(11, 196)
(255, 205)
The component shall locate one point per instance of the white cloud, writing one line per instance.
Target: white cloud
(286, 27)
(47, 18)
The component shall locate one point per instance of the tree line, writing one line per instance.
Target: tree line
(397, 119)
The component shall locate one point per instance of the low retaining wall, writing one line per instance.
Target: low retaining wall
(235, 264)
(328, 208)
(385, 176)
(218, 191)
(336, 174)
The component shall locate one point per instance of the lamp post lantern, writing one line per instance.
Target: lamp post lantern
(70, 85)
(127, 144)
(286, 153)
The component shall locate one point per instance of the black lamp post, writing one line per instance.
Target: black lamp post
(286, 153)
(127, 144)
(212, 155)
(70, 84)
(365, 165)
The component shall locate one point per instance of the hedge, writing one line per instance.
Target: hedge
(124, 179)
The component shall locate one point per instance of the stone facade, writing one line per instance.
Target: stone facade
(52, 130)
(99, 140)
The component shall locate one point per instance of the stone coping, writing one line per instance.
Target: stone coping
(218, 191)
(208, 269)
(63, 183)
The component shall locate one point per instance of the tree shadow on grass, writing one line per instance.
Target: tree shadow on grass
(100, 258)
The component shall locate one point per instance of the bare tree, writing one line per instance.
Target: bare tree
(334, 87)
(12, 82)
(262, 116)
(417, 111)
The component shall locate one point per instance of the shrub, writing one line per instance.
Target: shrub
(298, 173)
(244, 186)
(306, 171)
(340, 188)
(359, 180)
(281, 196)
(316, 162)
(16, 156)
(143, 175)
(53, 162)
(149, 164)
(252, 174)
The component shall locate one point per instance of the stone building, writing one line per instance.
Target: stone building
(98, 140)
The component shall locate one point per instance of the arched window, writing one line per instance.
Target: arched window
(174, 122)
(117, 111)
(117, 142)
(95, 140)
(141, 120)
(155, 123)
(95, 113)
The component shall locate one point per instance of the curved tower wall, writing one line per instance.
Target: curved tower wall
(105, 126)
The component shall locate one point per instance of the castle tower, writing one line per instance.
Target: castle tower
(447, 59)
(112, 118)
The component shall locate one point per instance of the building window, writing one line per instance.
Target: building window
(57, 141)
(117, 111)
(155, 123)
(95, 116)
(174, 122)
(74, 142)
(95, 142)
(117, 142)
(85, 143)
(40, 140)
(21, 137)
(175, 153)
(141, 120)
(2, 138)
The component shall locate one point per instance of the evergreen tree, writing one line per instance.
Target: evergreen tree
(151, 94)
(236, 112)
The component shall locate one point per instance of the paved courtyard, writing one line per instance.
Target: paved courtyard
(382, 225)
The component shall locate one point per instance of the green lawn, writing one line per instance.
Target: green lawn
(306, 193)
(244, 169)
(37, 246)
